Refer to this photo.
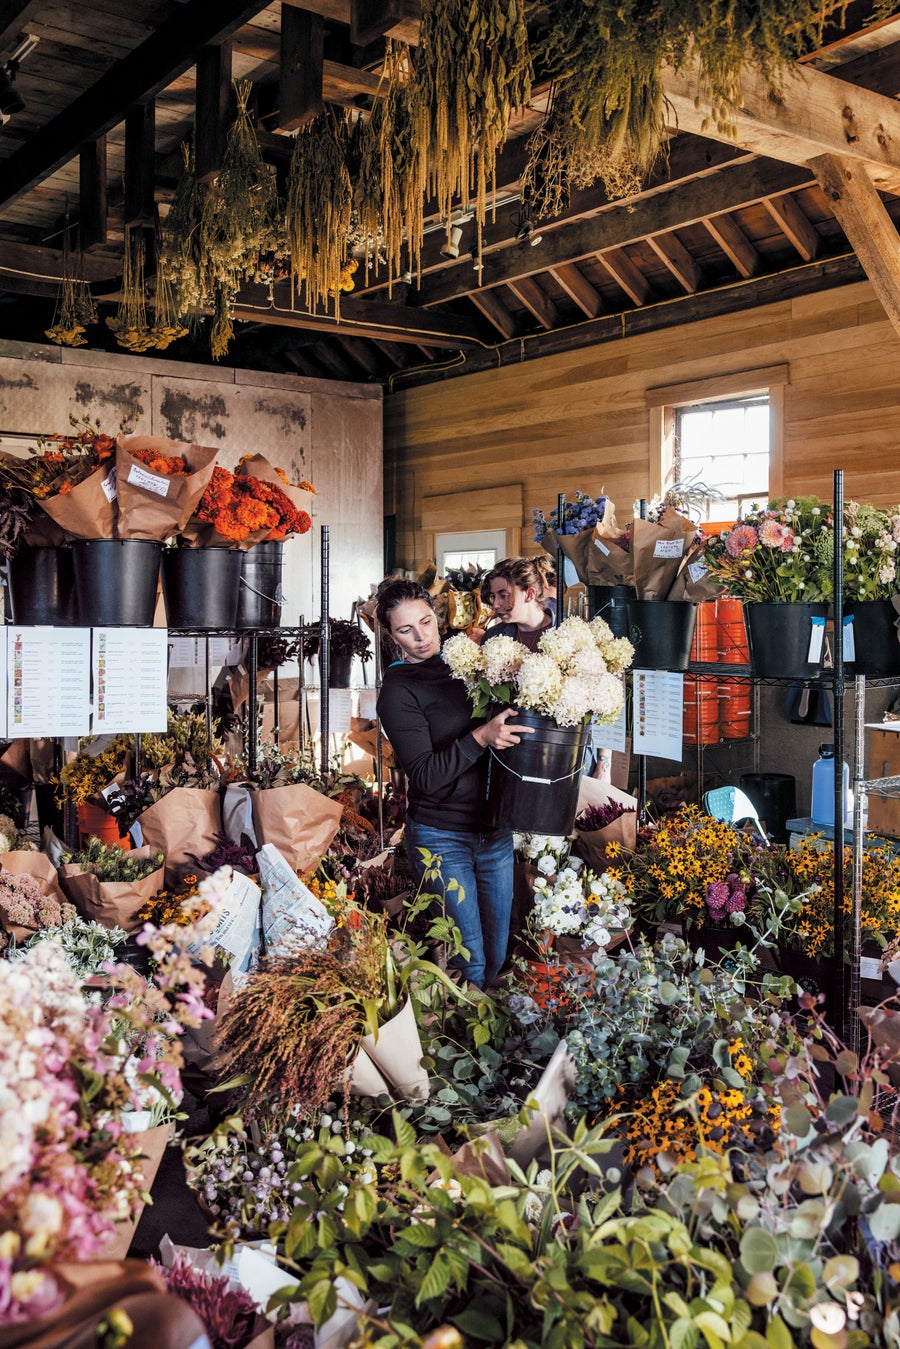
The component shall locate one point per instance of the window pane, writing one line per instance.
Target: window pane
(725, 447)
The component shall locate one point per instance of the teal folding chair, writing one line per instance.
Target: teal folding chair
(732, 805)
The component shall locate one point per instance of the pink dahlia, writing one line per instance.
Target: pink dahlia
(743, 539)
(774, 534)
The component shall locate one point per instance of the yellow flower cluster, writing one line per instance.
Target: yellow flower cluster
(880, 908)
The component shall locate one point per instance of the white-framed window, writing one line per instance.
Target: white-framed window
(469, 548)
(725, 432)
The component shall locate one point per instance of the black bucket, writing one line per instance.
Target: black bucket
(339, 668)
(260, 596)
(533, 787)
(661, 632)
(116, 581)
(611, 603)
(775, 797)
(779, 636)
(200, 586)
(875, 639)
(41, 587)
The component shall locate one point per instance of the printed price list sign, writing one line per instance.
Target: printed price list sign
(48, 688)
(658, 713)
(130, 677)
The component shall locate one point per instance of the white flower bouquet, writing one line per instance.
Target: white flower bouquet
(574, 674)
(575, 902)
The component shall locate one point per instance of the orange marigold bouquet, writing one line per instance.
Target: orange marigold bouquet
(159, 483)
(72, 480)
(255, 504)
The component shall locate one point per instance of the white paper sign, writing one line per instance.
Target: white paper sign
(816, 640)
(110, 490)
(149, 482)
(669, 548)
(697, 570)
(849, 638)
(191, 652)
(48, 681)
(611, 735)
(658, 698)
(130, 679)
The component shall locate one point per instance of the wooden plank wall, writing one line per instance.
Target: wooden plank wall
(581, 419)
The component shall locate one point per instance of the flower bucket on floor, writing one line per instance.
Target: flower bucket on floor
(260, 596)
(41, 587)
(780, 636)
(200, 586)
(397, 1053)
(661, 632)
(532, 787)
(116, 581)
(875, 639)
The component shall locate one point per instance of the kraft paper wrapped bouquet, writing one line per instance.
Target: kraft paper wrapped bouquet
(73, 482)
(256, 503)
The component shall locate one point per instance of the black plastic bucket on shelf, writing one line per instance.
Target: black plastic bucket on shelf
(533, 787)
(779, 637)
(200, 586)
(775, 797)
(339, 668)
(116, 581)
(661, 632)
(611, 603)
(875, 638)
(41, 587)
(260, 595)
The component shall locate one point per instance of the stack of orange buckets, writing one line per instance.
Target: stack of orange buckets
(714, 708)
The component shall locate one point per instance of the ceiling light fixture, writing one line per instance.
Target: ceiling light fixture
(525, 234)
(11, 101)
(450, 246)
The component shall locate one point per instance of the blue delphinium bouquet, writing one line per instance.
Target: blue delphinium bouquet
(582, 513)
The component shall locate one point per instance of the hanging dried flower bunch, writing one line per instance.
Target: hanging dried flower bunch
(389, 191)
(130, 325)
(167, 324)
(75, 307)
(606, 59)
(319, 203)
(472, 69)
(181, 256)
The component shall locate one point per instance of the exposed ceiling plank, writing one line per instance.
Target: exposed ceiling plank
(301, 83)
(688, 202)
(535, 301)
(92, 202)
(143, 73)
(495, 311)
(578, 288)
(795, 225)
(46, 265)
(338, 10)
(362, 353)
(734, 243)
(625, 274)
(394, 353)
(360, 318)
(813, 114)
(863, 218)
(670, 250)
(332, 357)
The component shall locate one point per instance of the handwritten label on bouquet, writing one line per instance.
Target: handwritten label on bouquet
(598, 543)
(669, 548)
(816, 640)
(108, 485)
(849, 638)
(697, 570)
(149, 482)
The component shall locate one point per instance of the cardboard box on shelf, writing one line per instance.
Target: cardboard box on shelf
(884, 762)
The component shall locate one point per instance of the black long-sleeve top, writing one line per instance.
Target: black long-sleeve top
(428, 719)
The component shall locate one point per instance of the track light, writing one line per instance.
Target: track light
(525, 233)
(11, 101)
(450, 247)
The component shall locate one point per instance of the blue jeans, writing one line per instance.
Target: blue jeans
(482, 866)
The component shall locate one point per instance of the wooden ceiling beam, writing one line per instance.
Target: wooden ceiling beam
(140, 152)
(301, 90)
(372, 19)
(362, 353)
(578, 288)
(689, 202)
(536, 301)
(734, 243)
(167, 53)
(670, 250)
(392, 351)
(212, 103)
(862, 216)
(330, 354)
(92, 201)
(813, 114)
(489, 303)
(46, 265)
(625, 274)
(797, 227)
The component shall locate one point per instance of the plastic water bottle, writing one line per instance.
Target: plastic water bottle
(823, 787)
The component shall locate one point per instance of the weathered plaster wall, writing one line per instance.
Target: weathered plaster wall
(327, 433)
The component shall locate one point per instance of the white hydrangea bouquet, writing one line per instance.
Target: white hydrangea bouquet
(573, 675)
(575, 902)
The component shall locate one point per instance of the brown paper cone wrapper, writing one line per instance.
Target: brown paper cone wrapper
(654, 576)
(684, 587)
(576, 547)
(614, 566)
(22, 862)
(43, 532)
(258, 466)
(93, 1287)
(299, 821)
(152, 1143)
(111, 903)
(397, 1053)
(86, 512)
(185, 820)
(152, 506)
(18, 931)
(591, 845)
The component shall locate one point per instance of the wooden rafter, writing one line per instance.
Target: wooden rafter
(795, 225)
(488, 302)
(578, 288)
(360, 318)
(734, 242)
(536, 301)
(862, 216)
(625, 274)
(670, 250)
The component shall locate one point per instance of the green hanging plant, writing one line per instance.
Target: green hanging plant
(472, 69)
(319, 201)
(609, 114)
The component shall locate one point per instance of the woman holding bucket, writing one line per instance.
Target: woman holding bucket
(515, 591)
(440, 746)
